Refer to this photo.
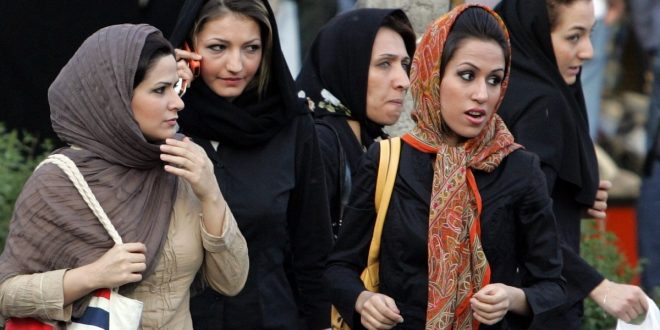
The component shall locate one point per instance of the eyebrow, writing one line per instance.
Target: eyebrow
(477, 68)
(392, 56)
(226, 41)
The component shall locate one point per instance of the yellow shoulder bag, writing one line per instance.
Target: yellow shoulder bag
(390, 151)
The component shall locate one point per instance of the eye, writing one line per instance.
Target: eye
(160, 90)
(384, 64)
(466, 75)
(253, 48)
(217, 47)
(406, 65)
(494, 80)
(573, 38)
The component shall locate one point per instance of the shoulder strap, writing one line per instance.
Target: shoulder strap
(390, 151)
(72, 171)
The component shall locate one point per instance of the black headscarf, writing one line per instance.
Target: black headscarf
(559, 132)
(249, 120)
(338, 62)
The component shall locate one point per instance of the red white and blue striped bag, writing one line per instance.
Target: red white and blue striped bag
(107, 309)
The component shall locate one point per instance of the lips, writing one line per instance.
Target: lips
(476, 116)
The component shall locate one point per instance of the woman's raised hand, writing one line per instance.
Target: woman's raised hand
(188, 160)
(377, 311)
(182, 68)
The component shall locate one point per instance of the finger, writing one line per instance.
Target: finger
(184, 54)
(600, 206)
(596, 214)
(602, 195)
(135, 247)
(605, 184)
(177, 161)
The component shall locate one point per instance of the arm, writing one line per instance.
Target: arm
(537, 255)
(50, 295)
(226, 260)
(309, 227)
(349, 256)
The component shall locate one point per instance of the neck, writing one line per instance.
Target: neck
(355, 127)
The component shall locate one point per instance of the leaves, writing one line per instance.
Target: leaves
(17, 160)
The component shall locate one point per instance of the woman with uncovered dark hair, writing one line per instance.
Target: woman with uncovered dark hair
(243, 110)
(354, 79)
(545, 110)
(116, 105)
(469, 239)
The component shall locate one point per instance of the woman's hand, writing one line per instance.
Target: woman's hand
(377, 311)
(623, 301)
(600, 205)
(188, 160)
(122, 264)
(183, 69)
(492, 302)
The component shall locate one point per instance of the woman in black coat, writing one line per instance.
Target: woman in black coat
(469, 235)
(354, 79)
(243, 110)
(544, 109)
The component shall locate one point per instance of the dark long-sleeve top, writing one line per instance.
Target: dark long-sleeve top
(541, 134)
(336, 137)
(278, 198)
(518, 229)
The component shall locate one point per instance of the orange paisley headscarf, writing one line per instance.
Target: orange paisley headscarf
(457, 265)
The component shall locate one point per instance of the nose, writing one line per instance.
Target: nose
(176, 103)
(586, 51)
(234, 63)
(401, 79)
(480, 92)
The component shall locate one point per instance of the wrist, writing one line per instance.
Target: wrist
(600, 292)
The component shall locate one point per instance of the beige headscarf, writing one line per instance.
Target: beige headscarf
(90, 100)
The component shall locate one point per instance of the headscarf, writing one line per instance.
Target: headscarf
(559, 132)
(250, 120)
(457, 265)
(336, 71)
(90, 100)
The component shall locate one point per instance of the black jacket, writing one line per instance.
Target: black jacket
(518, 234)
(279, 202)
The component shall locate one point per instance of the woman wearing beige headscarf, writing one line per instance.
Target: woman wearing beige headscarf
(116, 106)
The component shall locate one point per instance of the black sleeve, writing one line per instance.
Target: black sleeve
(349, 256)
(541, 133)
(309, 228)
(329, 147)
(541, 263)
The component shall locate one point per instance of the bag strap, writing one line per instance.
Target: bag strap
(390, 151)
(72, 171)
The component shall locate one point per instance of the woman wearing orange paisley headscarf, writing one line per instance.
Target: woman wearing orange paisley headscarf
(470, 239)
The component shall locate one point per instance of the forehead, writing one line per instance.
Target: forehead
(578, 14)
(388, 41)
(162, 69)
(482, 53)
(231, 24)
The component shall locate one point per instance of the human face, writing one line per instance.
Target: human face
(155, 103)
(388, 79)
(570, 38)
(470, 88)
(231, 51)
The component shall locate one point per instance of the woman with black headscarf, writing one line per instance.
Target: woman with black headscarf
(545, 110)
(354, 79)
(116, 106)
(243, 110)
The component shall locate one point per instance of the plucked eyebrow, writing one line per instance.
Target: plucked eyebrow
(227, 42)
(389, 56)
(478, 69)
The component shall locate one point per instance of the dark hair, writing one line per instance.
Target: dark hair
(476, 23)
(253, 9)
(398, 22)
(155, 47)
(553, 13)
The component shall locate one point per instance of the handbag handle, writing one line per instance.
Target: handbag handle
(72, 171)
(390, 151)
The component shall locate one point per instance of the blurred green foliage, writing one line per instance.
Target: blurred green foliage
(18, 157)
